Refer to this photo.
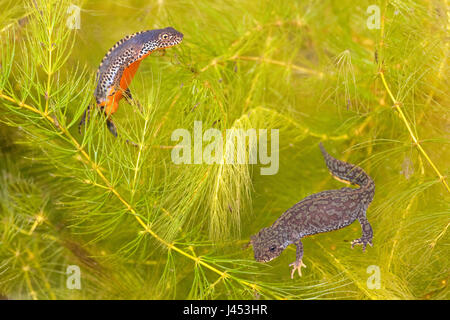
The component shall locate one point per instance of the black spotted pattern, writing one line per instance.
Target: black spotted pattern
(126, 51)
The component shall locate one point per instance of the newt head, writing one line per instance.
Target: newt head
(168, 37)
(267, 244)
(159, 39)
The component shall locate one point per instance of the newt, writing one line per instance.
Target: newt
(119, 66)
(320, 212)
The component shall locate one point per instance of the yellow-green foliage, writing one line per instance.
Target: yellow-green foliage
(141, 227)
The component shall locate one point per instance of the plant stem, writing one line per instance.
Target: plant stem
(355, 280)
(280, 63)
(292, 66)
(147, 229)
(49, 70)
(397, 106)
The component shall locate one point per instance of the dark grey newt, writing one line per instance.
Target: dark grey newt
(321, 212)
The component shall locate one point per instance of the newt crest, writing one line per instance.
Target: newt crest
(320, 212)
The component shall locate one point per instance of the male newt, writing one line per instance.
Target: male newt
(120, 64)
(321, 212)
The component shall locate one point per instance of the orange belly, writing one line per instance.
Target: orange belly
(112, 102)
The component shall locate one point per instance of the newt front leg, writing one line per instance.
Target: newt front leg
(298, 264)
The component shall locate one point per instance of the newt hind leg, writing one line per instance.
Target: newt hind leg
(129, 97)
(84, 118)
(112, 127)
(87, 116)
(109, 123)
(367, 233)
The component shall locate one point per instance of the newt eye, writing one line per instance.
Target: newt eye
(165, 36)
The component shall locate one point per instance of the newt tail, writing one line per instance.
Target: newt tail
(348, 172)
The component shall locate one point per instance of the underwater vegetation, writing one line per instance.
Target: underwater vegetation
(90, 216)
